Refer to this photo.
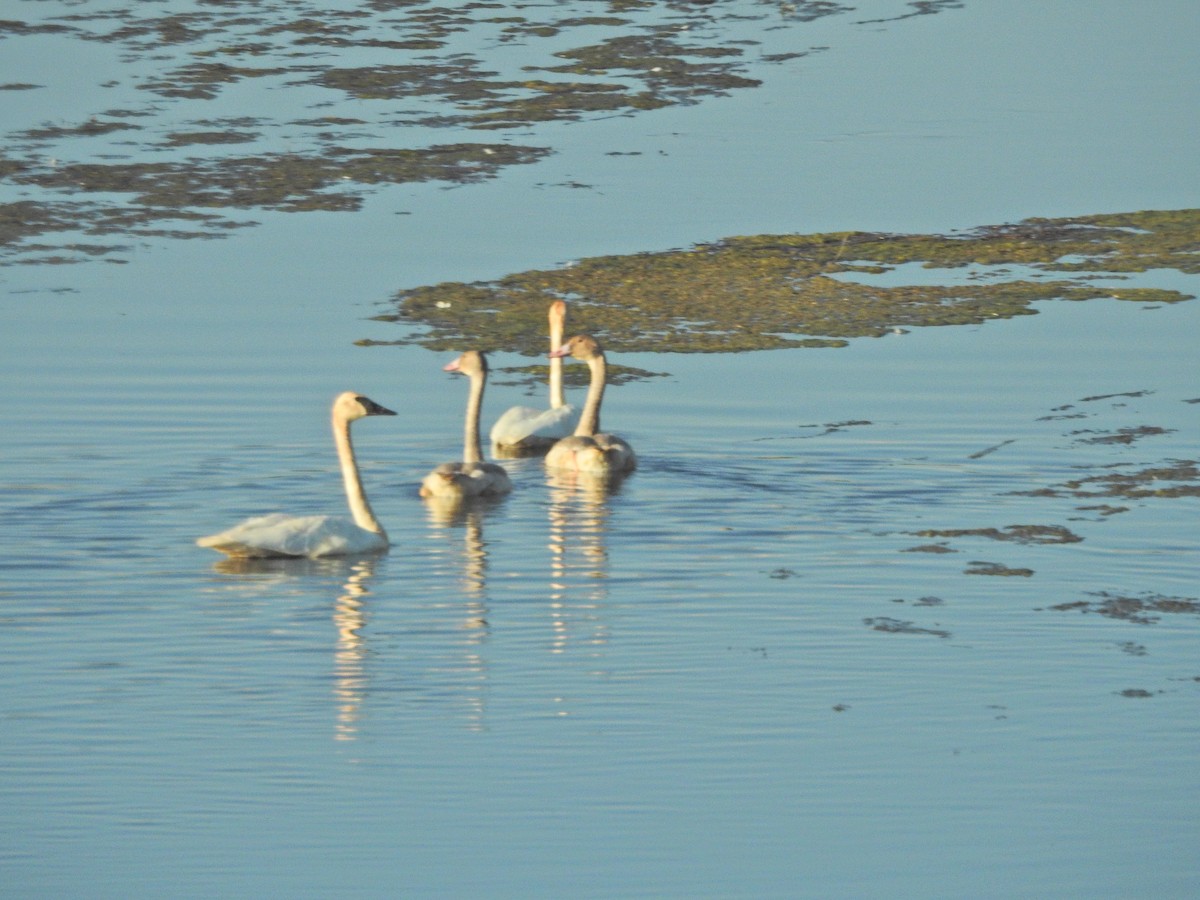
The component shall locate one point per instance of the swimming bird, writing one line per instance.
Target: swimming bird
(588, 449)
(526, 429)
(281, 535)
(472, 477)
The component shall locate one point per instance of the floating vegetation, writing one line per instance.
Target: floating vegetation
(671, 71)
(928, 601)
(1133, 648)
(896, 626)
(826, 429)
(662, 69)
(202, 81)
(90, 128)
(920, 8)
(1124, 435)
(1103, 509)
(573, 376)
(988, 451)
(835, 427)
(18, 220)
(165, 191)
(1121, 396)
(922, 601)
(978, 567)
(1171, 478)
(282, 181)
(1021, 534)
(394, 63)
(1145, 609)
(774, 291)
(182, 139)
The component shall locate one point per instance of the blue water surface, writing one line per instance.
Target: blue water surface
(743, 673)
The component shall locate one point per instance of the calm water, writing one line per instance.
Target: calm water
(737, 674)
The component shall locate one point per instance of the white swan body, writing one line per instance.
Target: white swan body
(281, 535)
(529, 429)
(589, 450)
(472, 477)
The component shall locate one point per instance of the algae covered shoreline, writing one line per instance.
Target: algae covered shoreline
(775, 291)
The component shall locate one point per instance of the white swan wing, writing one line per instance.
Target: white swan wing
(512, 426)
(281, 535)
(523, 424)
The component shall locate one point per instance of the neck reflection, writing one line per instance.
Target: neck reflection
(350, 680)
(350, 612)
(578, 544)
(467, 557)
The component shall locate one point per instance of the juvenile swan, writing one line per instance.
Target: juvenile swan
(526, 429)
(280, 535)
(472, 477)
(586, 450)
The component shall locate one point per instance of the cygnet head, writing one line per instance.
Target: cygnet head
(582, 346)
(558, 311)
(349, 406)
(472, 362)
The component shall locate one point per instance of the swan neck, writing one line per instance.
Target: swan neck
(557, 399)
(472, 449)
(589, 419)
(360, 509)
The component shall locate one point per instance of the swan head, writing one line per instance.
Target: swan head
(350, 405)
(582, 346)
(472, 362)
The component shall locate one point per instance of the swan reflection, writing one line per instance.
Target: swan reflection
(349, 674)
(470, 558)
(578, 545)
(350, 678)
(467, 557)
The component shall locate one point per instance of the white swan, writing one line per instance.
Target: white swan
(472, 477)
(281, 535)
(526, 429)
(586, 450)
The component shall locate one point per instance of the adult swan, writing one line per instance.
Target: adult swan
(280, 535)
(526, 430)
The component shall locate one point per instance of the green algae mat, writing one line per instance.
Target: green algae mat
(774, 291)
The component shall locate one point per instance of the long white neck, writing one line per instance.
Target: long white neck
(472, 450)
(589, 419)
(360, 509)
(556, 364)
